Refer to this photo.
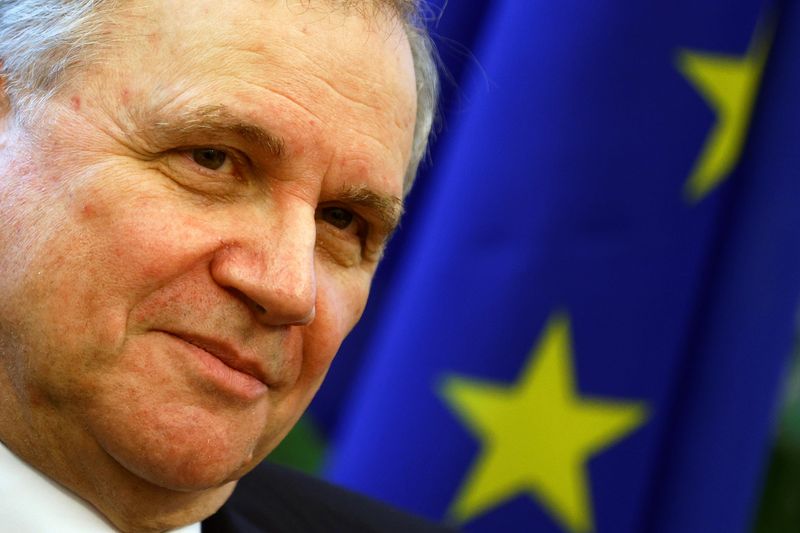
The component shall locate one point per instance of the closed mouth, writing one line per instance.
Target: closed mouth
(225, 353)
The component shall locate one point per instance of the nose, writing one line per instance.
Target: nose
(271, 269)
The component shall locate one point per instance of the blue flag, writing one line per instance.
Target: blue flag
(590, 320)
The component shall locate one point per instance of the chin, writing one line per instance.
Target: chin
(190, 471)
(183, 453)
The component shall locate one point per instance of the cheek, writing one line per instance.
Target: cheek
(341, 298)
(125, 247)
(80, 287)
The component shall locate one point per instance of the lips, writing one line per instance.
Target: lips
(243, 369)
(230, 356)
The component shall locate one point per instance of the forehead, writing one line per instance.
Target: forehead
(326, 79)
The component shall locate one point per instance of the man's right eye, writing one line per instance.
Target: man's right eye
(209, 158)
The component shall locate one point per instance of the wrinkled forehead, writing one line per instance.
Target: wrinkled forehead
(383, 17)
(380, 24)
(328, 79)
(362, 42)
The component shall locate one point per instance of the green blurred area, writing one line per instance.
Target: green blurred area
(303, 448)
(779, 509)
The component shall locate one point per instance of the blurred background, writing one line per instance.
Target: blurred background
(588, 320)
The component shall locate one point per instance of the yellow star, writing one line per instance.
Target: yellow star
(729, 84)
(537, 434)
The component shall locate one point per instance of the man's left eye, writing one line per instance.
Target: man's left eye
(338, 217)
(343, 234)
(209, 158)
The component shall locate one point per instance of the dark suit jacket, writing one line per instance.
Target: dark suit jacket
(275, 499)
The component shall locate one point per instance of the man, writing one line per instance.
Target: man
(194, 197)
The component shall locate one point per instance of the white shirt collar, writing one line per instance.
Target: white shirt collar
(31, 502)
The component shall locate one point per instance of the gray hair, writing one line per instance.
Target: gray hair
(40, 40)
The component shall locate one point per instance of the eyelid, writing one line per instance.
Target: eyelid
(378, 233)
(372, 240)
(351, 247)
(361, 222)
(238, 159)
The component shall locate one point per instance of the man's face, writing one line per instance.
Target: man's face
(191, 230)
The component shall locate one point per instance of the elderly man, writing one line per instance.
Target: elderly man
(194, 197)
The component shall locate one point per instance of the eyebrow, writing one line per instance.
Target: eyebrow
(218, 119)
(388, 209)
(214, 119)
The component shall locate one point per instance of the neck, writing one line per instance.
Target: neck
(77, 462)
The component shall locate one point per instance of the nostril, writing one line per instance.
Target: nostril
(249, 302)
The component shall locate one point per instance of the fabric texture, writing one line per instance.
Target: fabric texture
(276, 499)
(25, 493)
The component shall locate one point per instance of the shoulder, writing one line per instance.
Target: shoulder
(280, 500)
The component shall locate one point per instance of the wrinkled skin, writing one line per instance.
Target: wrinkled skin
(218, 186)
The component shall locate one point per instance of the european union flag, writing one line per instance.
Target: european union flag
(593, 312)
